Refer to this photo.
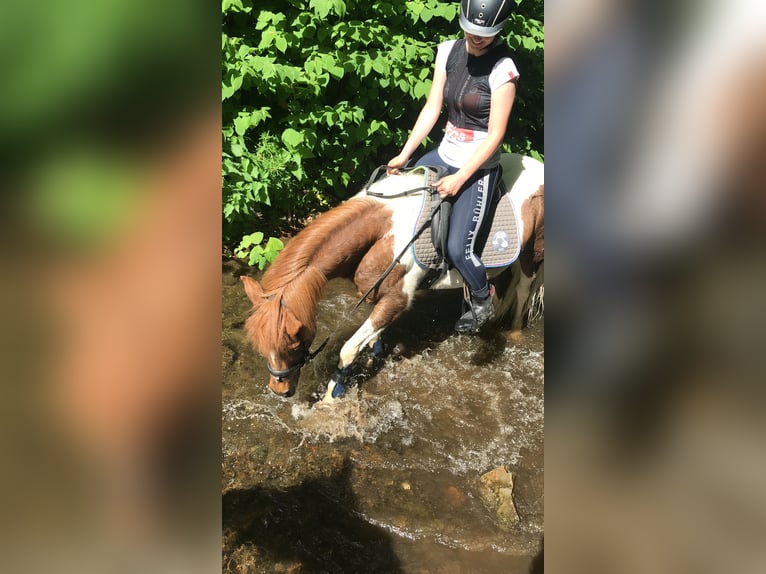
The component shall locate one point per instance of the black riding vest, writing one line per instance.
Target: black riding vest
(467, 92)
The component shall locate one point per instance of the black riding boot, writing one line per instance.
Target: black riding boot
(479, 312)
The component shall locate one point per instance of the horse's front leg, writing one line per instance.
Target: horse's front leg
(365, 335)
(389, 306)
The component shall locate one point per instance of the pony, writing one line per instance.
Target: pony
(360, 240)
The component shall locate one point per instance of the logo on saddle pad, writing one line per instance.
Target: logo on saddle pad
(500, 241)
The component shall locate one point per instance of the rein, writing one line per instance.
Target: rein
(396, 260)
(439, 173)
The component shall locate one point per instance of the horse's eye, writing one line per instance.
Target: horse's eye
(294, 344)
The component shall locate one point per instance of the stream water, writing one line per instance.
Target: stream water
(387, 479)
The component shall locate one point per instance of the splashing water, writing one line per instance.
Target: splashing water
(418, 432)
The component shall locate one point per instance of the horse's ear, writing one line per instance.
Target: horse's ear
(253, 289)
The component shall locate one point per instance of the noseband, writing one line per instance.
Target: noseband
(307, 358)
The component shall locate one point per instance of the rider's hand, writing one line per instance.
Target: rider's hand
(396, 164)
(449, 186)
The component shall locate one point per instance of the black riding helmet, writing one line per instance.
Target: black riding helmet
(484, 17)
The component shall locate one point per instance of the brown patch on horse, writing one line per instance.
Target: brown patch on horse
(334, 243)
(389, 298)
(533, 243)
(372, 266)
(392, 301)
(253, 289)
(281, 388)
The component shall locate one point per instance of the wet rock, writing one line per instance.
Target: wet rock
(496, 489)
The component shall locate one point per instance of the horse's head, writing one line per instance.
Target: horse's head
(279, 335)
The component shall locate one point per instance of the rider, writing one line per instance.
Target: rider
(476, 78)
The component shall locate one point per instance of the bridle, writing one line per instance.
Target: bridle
(308, 356)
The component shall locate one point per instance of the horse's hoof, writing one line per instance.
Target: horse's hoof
(334, 392)
(515, 336)
(336, 387)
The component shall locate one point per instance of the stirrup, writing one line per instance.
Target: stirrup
(476, 315)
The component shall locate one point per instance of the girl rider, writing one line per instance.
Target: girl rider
(476, 78)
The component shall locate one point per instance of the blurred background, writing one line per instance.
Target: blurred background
(110, 135)
(655, 148)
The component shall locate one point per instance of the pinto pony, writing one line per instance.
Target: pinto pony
(359, 240)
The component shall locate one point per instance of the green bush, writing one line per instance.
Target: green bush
(250, 248)
(317, 93)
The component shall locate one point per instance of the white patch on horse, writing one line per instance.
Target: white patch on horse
(522, 176)
(404, 214)
(357, 342)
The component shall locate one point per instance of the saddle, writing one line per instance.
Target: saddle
(498, 243)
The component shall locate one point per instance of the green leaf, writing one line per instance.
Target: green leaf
(234, 6)
(256, 256)
(449, 11)
(415, 8)
(241, 123)
(292, 138)
(260, 115)
(267, 39)
(336, 71)
(252, 239)
(421, 89)
(231, 89)
(273, 246)
(380, 65)
(321, 7)
(281, 44)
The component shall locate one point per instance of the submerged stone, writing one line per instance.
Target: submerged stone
(496, 489)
